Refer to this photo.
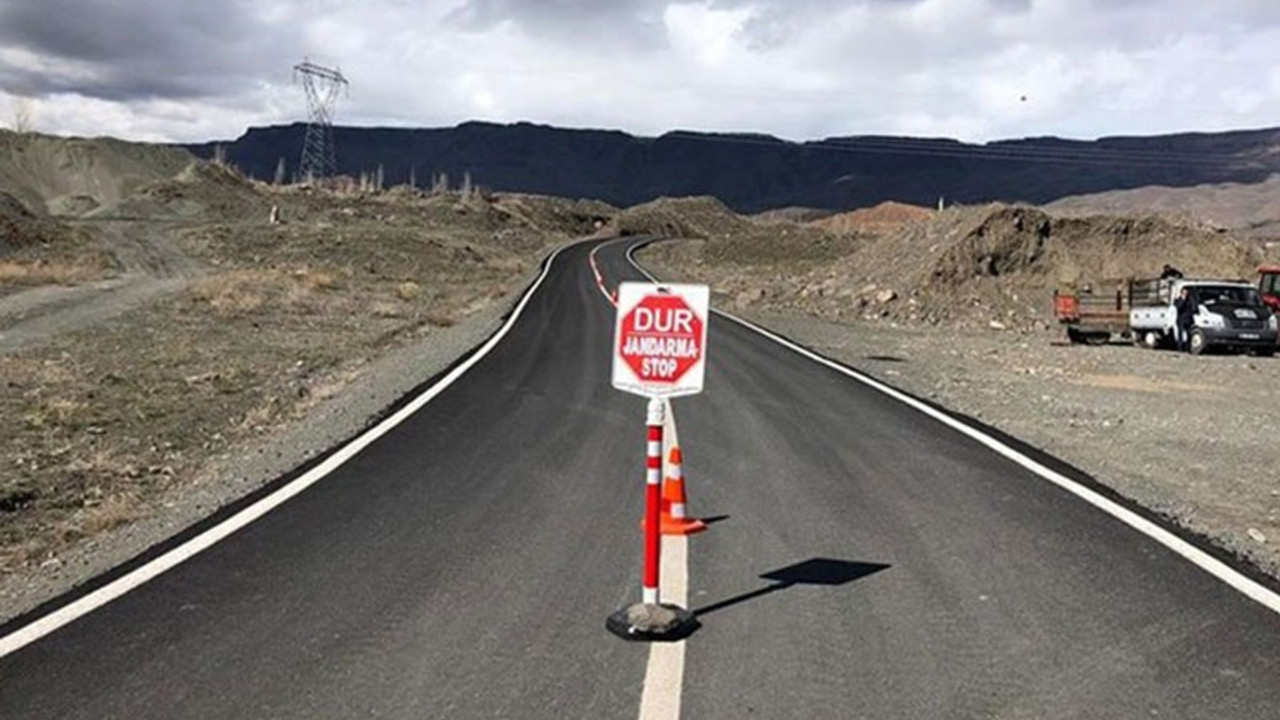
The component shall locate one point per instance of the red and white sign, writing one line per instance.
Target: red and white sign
(660, 339)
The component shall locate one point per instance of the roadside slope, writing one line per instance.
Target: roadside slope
(126, 418)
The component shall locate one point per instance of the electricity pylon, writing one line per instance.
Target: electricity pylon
(322, 85)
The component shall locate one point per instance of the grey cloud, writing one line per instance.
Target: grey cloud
(141, 48)
(629, 22)
(638, 23)
(777, 22)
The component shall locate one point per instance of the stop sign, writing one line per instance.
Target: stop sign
(660, 339)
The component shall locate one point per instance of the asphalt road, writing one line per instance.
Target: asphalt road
(867, 562)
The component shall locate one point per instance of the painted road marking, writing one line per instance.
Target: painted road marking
(1210, 564)
(44, 625)
(664, 674)
(595, 270)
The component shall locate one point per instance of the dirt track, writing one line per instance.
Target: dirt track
(151, 268)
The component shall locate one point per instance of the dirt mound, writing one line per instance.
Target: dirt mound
(102, 177)
(1250, 209)
(1002, 263)
(730, 237)
(199, 190)
(885, 217)
(20, 228)
(694, 217)
(542, 212)
(38, 250)
(75, 176)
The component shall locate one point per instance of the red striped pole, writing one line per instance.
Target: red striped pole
(652, 502)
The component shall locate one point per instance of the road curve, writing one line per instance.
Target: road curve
(875, 563)
(867, 562)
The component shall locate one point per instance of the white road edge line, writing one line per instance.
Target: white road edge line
(664, 673)
(1210, 564)
(44, 625)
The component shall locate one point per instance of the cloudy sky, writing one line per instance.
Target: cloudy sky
(799, 69)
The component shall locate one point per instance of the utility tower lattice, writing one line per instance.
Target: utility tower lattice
(322, 85)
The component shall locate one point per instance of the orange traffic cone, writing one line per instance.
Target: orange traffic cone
(674, 518)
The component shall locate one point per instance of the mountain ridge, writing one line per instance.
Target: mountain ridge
(752, 172)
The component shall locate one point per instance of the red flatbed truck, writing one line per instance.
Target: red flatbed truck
(1093, 318)
(1269, 286)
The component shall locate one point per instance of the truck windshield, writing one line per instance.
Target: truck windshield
(1233, 294)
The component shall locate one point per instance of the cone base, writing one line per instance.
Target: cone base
(671, 526)
(682, 526)
(652, 623)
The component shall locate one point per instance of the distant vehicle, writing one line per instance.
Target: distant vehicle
(1230, 314)
(1269, 286)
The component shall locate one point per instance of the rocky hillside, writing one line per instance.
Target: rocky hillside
(1253, 209)
(751, 173)
(992, 265)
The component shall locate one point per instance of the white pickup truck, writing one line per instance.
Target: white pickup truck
(1228, 314)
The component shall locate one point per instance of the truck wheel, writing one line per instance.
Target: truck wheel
(1152, 340)
(1264, 351)
(1196, 343)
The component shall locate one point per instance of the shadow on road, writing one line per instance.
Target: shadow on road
(816, 571)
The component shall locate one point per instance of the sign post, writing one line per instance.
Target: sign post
(659, 352)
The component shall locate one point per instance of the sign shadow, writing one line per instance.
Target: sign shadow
(815, 571)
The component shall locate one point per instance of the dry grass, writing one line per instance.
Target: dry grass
(387, 310)
(46, 273)
(1143, 384)
(316, 279)
(261, 418)
(99, 493)
(408, 291)
(331, 385)
(235, 292)
(241, 292)
(109, 513)
(440, 318)
(55, 411)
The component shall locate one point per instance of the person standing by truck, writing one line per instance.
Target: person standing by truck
(1186, 307)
